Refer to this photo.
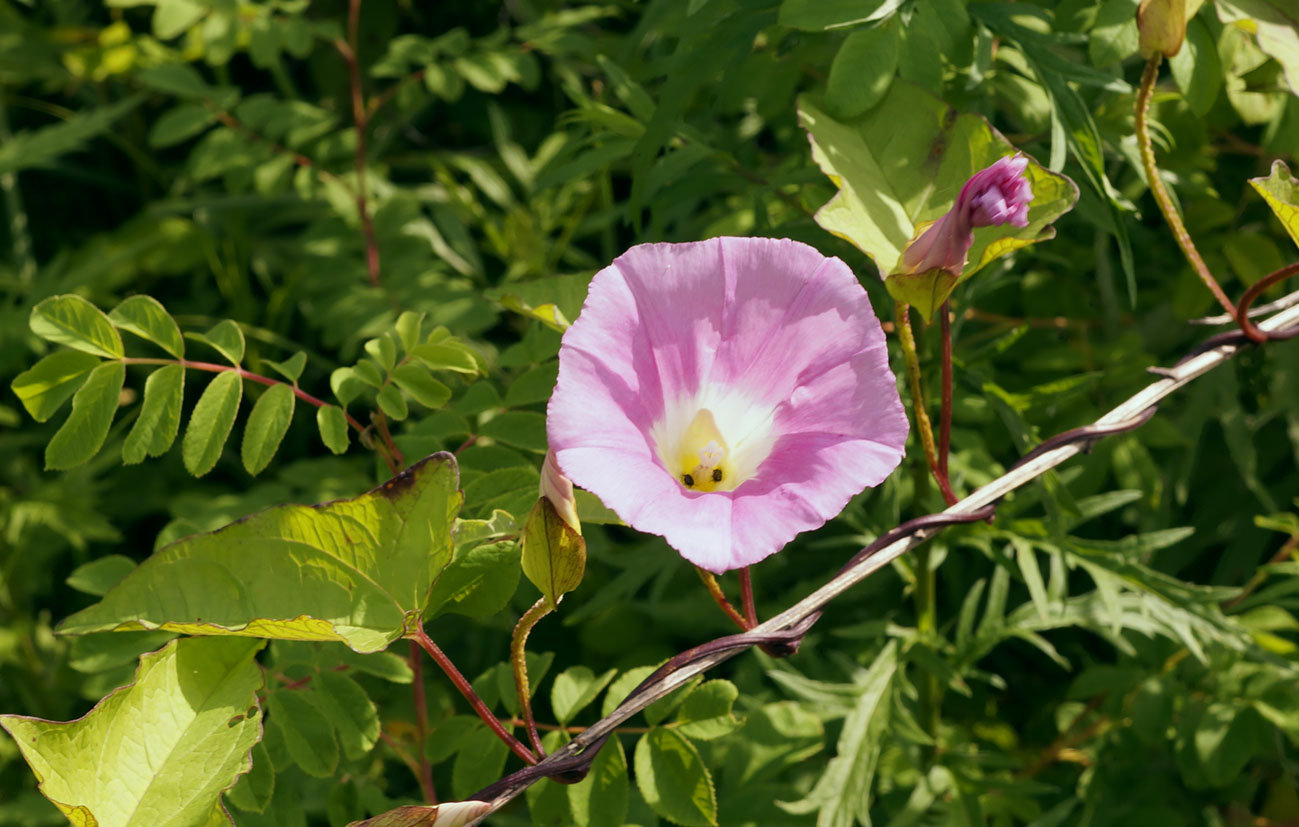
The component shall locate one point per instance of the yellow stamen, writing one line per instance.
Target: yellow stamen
(703, 461)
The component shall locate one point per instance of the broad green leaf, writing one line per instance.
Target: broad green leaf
(350, 710)
(534, 386)
(1197, 68)
(226, 338)
(706, 712)
(52, 381)
(392, 403)
(446, 356)
(71, 320)
(423, 388)
(266, 427)
(448, 735)
(600, 799)
(147, 318)
(290, 368)
(156, 427)
(623, 686)
(356, 571)
(862, 70)
(307, 731)
(93, 407)
(470, 533)
(1281, 192)
(384, 351)
(254, 790)
(555, 301)
(172, 18)
(210, 423)
(522, 429)
(332, 423)
(168, 743)
(179, 124)
(1276, 25)
(554, 555)
(478, 583)
(574, 688)
(673, 779)
(480, 762)
(548, 799)
(819, 15)
(408, 326)
(883, 201)
(98, 576)
(842, 794)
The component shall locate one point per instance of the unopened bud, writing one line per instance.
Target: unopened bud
(1161, 25)
(559, 490)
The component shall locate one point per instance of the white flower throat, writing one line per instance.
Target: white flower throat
(713, 441)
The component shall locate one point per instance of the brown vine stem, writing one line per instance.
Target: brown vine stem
(519, 660)
(361, 117)
(902, 316)
(419, 636)
(1255, 290)
(1157, 189)
(424, 770)
(719, 597)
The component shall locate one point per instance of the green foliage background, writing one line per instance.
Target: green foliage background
(1119, 648)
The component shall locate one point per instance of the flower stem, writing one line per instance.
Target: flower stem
(1142, 114)
(423, 770)
(458, 680)
(746, 598)
(945, 416)
(519, 659)
(902, 315)
(710, 583)
(361, 119)
(1255, 290)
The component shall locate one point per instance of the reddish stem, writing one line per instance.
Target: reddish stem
(1255, 290)
(710, 583)
(746, 598)
(945, 414)
(362, 120)
(418, 635)
(424, 770)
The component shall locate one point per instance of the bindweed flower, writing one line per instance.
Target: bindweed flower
(932, 263)
(726, 394)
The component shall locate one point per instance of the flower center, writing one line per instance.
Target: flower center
(713, 440)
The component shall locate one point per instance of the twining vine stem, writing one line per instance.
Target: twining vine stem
(571, 761)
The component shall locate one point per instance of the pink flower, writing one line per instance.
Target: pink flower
(999, 194)
(559, 490)
(726, 394)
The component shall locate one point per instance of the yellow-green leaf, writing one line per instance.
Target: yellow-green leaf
(210, 423)
(1281, 192)
(168, 743)
(554, 555)
(93, 406)
(71, 320)
(332, 423)
(225, 338)
(155, 429)
(674, 779)
(266, 427)
(147, 318)
(50, 382)
(356, 571)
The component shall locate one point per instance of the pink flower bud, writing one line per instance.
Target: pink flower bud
(559, 490)
(999, 194)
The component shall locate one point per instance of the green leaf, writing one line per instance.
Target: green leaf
(254, 790)
(446, 356)
(172, 18)
(706, 712)
(554, 555)
(179, 124)
(308, 734)
(350, 710)
(52, 381)
(170, 742)
(159, 421)
(522, 429)
(862, 71)
(1281, 193)
(392, 403)
(574, 688)
(290, 368)
(447, 737)
(225, 338)
(623, 686)
(352, 570)
(41, 147)
(266, 427)
(210, 423)
(98, 576)
(479, 582)
(1275, 25)
(842, 794)
(548, 799)
(147, 318)
(71, 320)
(673, 779)
(555, 301)
(93, 407)
(819, 15)
(1197, 68)
(384, 351)
(600, 799)
(479, 762)
(407, 327)
(534, 386)
(332, 423)
(883, 201)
